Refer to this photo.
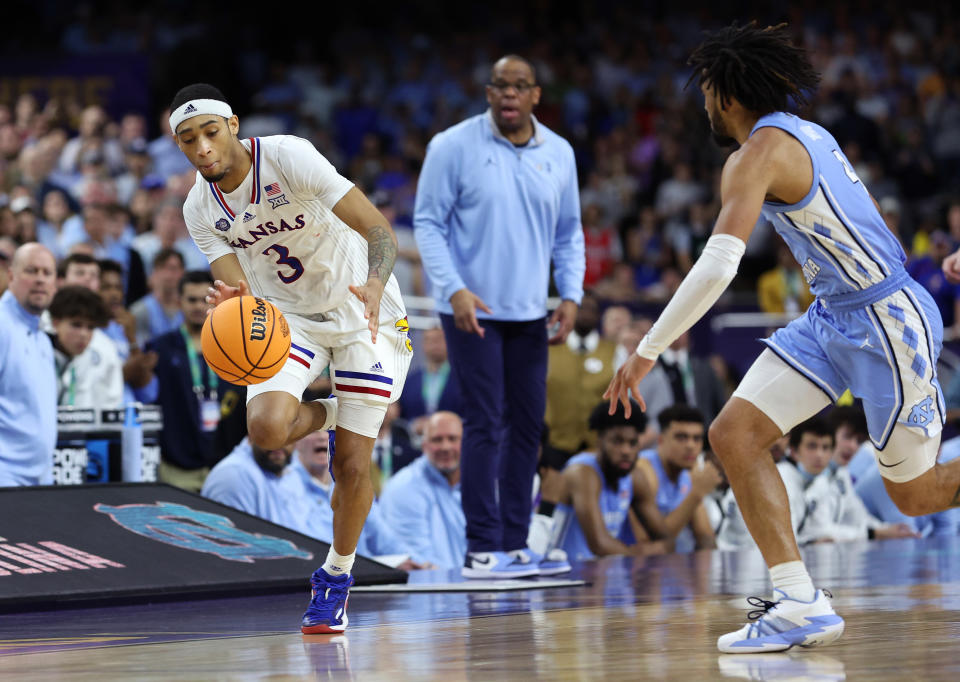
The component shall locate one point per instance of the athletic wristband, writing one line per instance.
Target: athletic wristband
(699, 290)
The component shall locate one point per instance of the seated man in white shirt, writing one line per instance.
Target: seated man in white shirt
(835, 511)
(810, 449)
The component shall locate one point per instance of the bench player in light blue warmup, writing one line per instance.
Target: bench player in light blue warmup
(872, 328)
(598, 489)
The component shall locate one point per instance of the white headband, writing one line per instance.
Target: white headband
(198, 107)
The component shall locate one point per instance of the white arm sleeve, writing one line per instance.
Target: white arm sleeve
(699, 290)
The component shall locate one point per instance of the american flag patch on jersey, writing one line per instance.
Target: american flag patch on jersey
(272, 189)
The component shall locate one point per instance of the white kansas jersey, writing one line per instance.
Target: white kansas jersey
(293, 249)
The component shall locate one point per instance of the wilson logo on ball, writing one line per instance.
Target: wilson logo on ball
(245, 340)
(258, 328)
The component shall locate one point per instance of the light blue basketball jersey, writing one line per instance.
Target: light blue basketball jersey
(835, 232)
(669, 496)
(872, 329)
(614, 505)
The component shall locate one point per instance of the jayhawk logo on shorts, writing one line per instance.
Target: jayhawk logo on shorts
(403, 325)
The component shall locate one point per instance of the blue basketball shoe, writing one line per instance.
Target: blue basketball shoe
(497, 566)
(779, 625)
(327, 611)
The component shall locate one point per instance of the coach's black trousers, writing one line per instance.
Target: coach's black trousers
(503, 379)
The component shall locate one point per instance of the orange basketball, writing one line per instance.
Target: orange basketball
(245, 340)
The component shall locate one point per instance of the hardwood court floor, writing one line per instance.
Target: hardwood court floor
(656, 619)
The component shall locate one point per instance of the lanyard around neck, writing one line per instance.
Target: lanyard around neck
(67, 394)
(195, 374)
(72, 391)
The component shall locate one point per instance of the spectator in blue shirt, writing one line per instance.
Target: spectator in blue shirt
(422, 501)
(497, 201)
(873, 492)
(260, 482)
(28, 377)
(311, 462)
(137, 365)
(159, 311)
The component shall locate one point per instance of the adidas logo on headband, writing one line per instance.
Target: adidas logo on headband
(197, 107)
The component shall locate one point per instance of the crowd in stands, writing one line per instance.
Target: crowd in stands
(102, 193)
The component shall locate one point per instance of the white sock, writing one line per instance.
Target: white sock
(541, 531)
(337, 564)
(330, 405)
(793, 579)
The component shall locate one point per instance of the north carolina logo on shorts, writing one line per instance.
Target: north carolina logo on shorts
(922, 413)
(402, 324)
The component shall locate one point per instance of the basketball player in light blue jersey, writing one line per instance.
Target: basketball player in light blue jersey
(598, 489)
(680, 478)
(871, 327)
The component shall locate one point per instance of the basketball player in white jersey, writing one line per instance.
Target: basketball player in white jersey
(872, 328)
(275, 219)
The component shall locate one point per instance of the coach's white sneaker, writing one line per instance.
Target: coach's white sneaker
(787, 622)
(553, 562)
(497, 566)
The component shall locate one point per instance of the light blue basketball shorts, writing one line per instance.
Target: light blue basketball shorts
(885, 352)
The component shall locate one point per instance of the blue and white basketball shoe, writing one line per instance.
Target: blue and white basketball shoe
(327, 611)
(497, 566)
(787, 622)
(553, 562)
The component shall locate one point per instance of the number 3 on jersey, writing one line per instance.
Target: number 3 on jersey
(284, 258)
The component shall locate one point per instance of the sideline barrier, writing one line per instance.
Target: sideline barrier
(91, 445)
(143, 541)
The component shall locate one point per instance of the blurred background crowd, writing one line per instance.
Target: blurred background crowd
(88, 166)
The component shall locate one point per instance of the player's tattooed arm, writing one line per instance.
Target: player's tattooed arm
(360, 215)
(381, 253)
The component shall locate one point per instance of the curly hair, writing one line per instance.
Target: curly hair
(759, 67)
(600, 420)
